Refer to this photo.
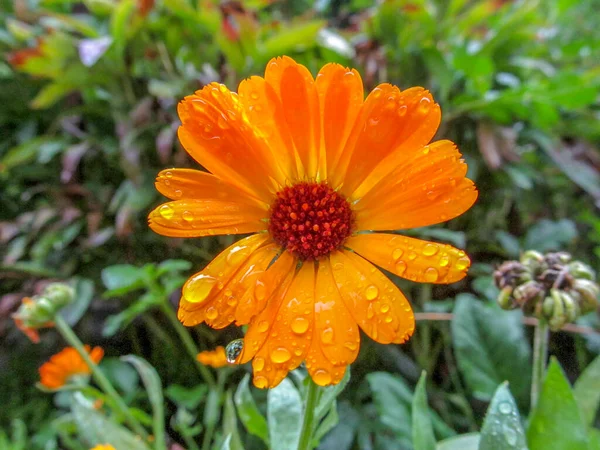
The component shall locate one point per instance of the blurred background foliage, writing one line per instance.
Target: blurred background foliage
(89, 90)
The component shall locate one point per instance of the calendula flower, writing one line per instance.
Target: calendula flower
(56, 372)
(103, 447)
(215, 358)
(318, 174)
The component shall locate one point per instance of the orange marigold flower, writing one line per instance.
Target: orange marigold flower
(318, 173)
(56, 372)
(103, 447)
(215, 358)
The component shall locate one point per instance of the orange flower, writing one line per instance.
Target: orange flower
(103, 447)
(318, 173)
(215, 358)
(65, 364)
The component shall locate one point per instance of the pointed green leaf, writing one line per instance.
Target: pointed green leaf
(502, 429)
(230, 428)
(556, 421)
(422, 430)
(284, 413)
(329, 394)
(468, 441)
(248, 412)
(587, 391)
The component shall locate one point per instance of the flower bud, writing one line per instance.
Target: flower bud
(577, 269)
(533, 261)
(505, 299)
(588, 291)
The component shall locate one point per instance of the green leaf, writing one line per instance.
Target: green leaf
(95, 428)
(329, 394)
(468, 441)
(422, 430)
(248, 412)
(594, 435)
(121, 375)
(327, 424)
(28, 152)
(84, 292)
(393, 399)
(121, 279)
(485, 338)
(230, 424)
(293, 38)
(50, 94)
(120, 24)
(121, 320)
(587, 391)
(154, 392)
(173, 266)
(502, 429)
(189, 398)
(284, 415)
(547, 235)
(556, 421)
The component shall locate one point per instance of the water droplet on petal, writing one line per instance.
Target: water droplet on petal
(322, 377)
(236, 255)
(371, 292)
(384, 308)
(258, 364)
(412, 256)
(402, 110)
(263, 326)
(350, 345)
(212, 313)
(254, 95)
(233, 350)
(260, 382)
(327, 336)
(444, 261)
(187, 216)
(169, 174)
(199, 287)
(431, 275)
(424, 105)
(388, 319)
(280, 355)
(300, 325)
(396, 254)
(426, 149)
(166, 211)
(430, 249)
(462, 263)
(177, 193)
(400, 267)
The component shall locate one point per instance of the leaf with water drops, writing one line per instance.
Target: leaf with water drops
(556, 420)
(422, 430)
(284, 413)
(502, 429)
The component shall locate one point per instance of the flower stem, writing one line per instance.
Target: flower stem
(188, 343)
(308, 425)
(540, 355)
(67, 333)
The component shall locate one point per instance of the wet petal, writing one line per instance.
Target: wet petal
(428, 187)
(377, 305)
(195, 184)
(194, 218)
(295, 88)
(413, 259)
(266, 114)
(289, 331)
(217, 134)
(390, 125)
(341, 97)
(202, 288)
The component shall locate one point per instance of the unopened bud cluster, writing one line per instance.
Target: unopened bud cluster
(40, 310)
(552, 287)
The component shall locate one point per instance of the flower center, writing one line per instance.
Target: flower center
(310, 220)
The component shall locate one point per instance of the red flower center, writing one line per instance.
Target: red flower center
(310, 220)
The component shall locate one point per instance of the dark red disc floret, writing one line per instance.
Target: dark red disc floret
(310, 220)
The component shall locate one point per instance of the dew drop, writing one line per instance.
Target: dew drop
(236, 255)
(384, 308)
(177, 193)
(298, 352)
(280, 355)
(199, 287)
(212, 313)
(376, 93)
(222, 123)
(322, 377)
(462, 263)
(510, 435)
(260, 291)
(263, 326)
(169, 174)
(327, 336)
(187, 216)
(371, 292)
(300, 325)
(430, 249)
(233, 350)
(431, 275)
(400, 267)
(402, 110)
(426, 149)
(166, 212)
(350, 346)
(370, 312)
(444, 261)
(424, 105)
(388, 319)
(254, 95)
(505, 408)
(412, 256)
(396, 254)
(258, 364)
(260, 382)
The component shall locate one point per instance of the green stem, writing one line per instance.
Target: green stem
(188, 343)
(540, 355)
(67, 333)
(308, 425)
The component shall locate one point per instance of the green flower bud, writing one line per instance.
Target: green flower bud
(533, 261)
(548, 307)
(559, 317)
(588, 291)
(572, 309)
(577, 269)
(505, 299)
(59, 294)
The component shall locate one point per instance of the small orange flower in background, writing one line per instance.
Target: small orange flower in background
(215, 358)
(318, 173)
(56, 372)
(103, 447)
(28, 327)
